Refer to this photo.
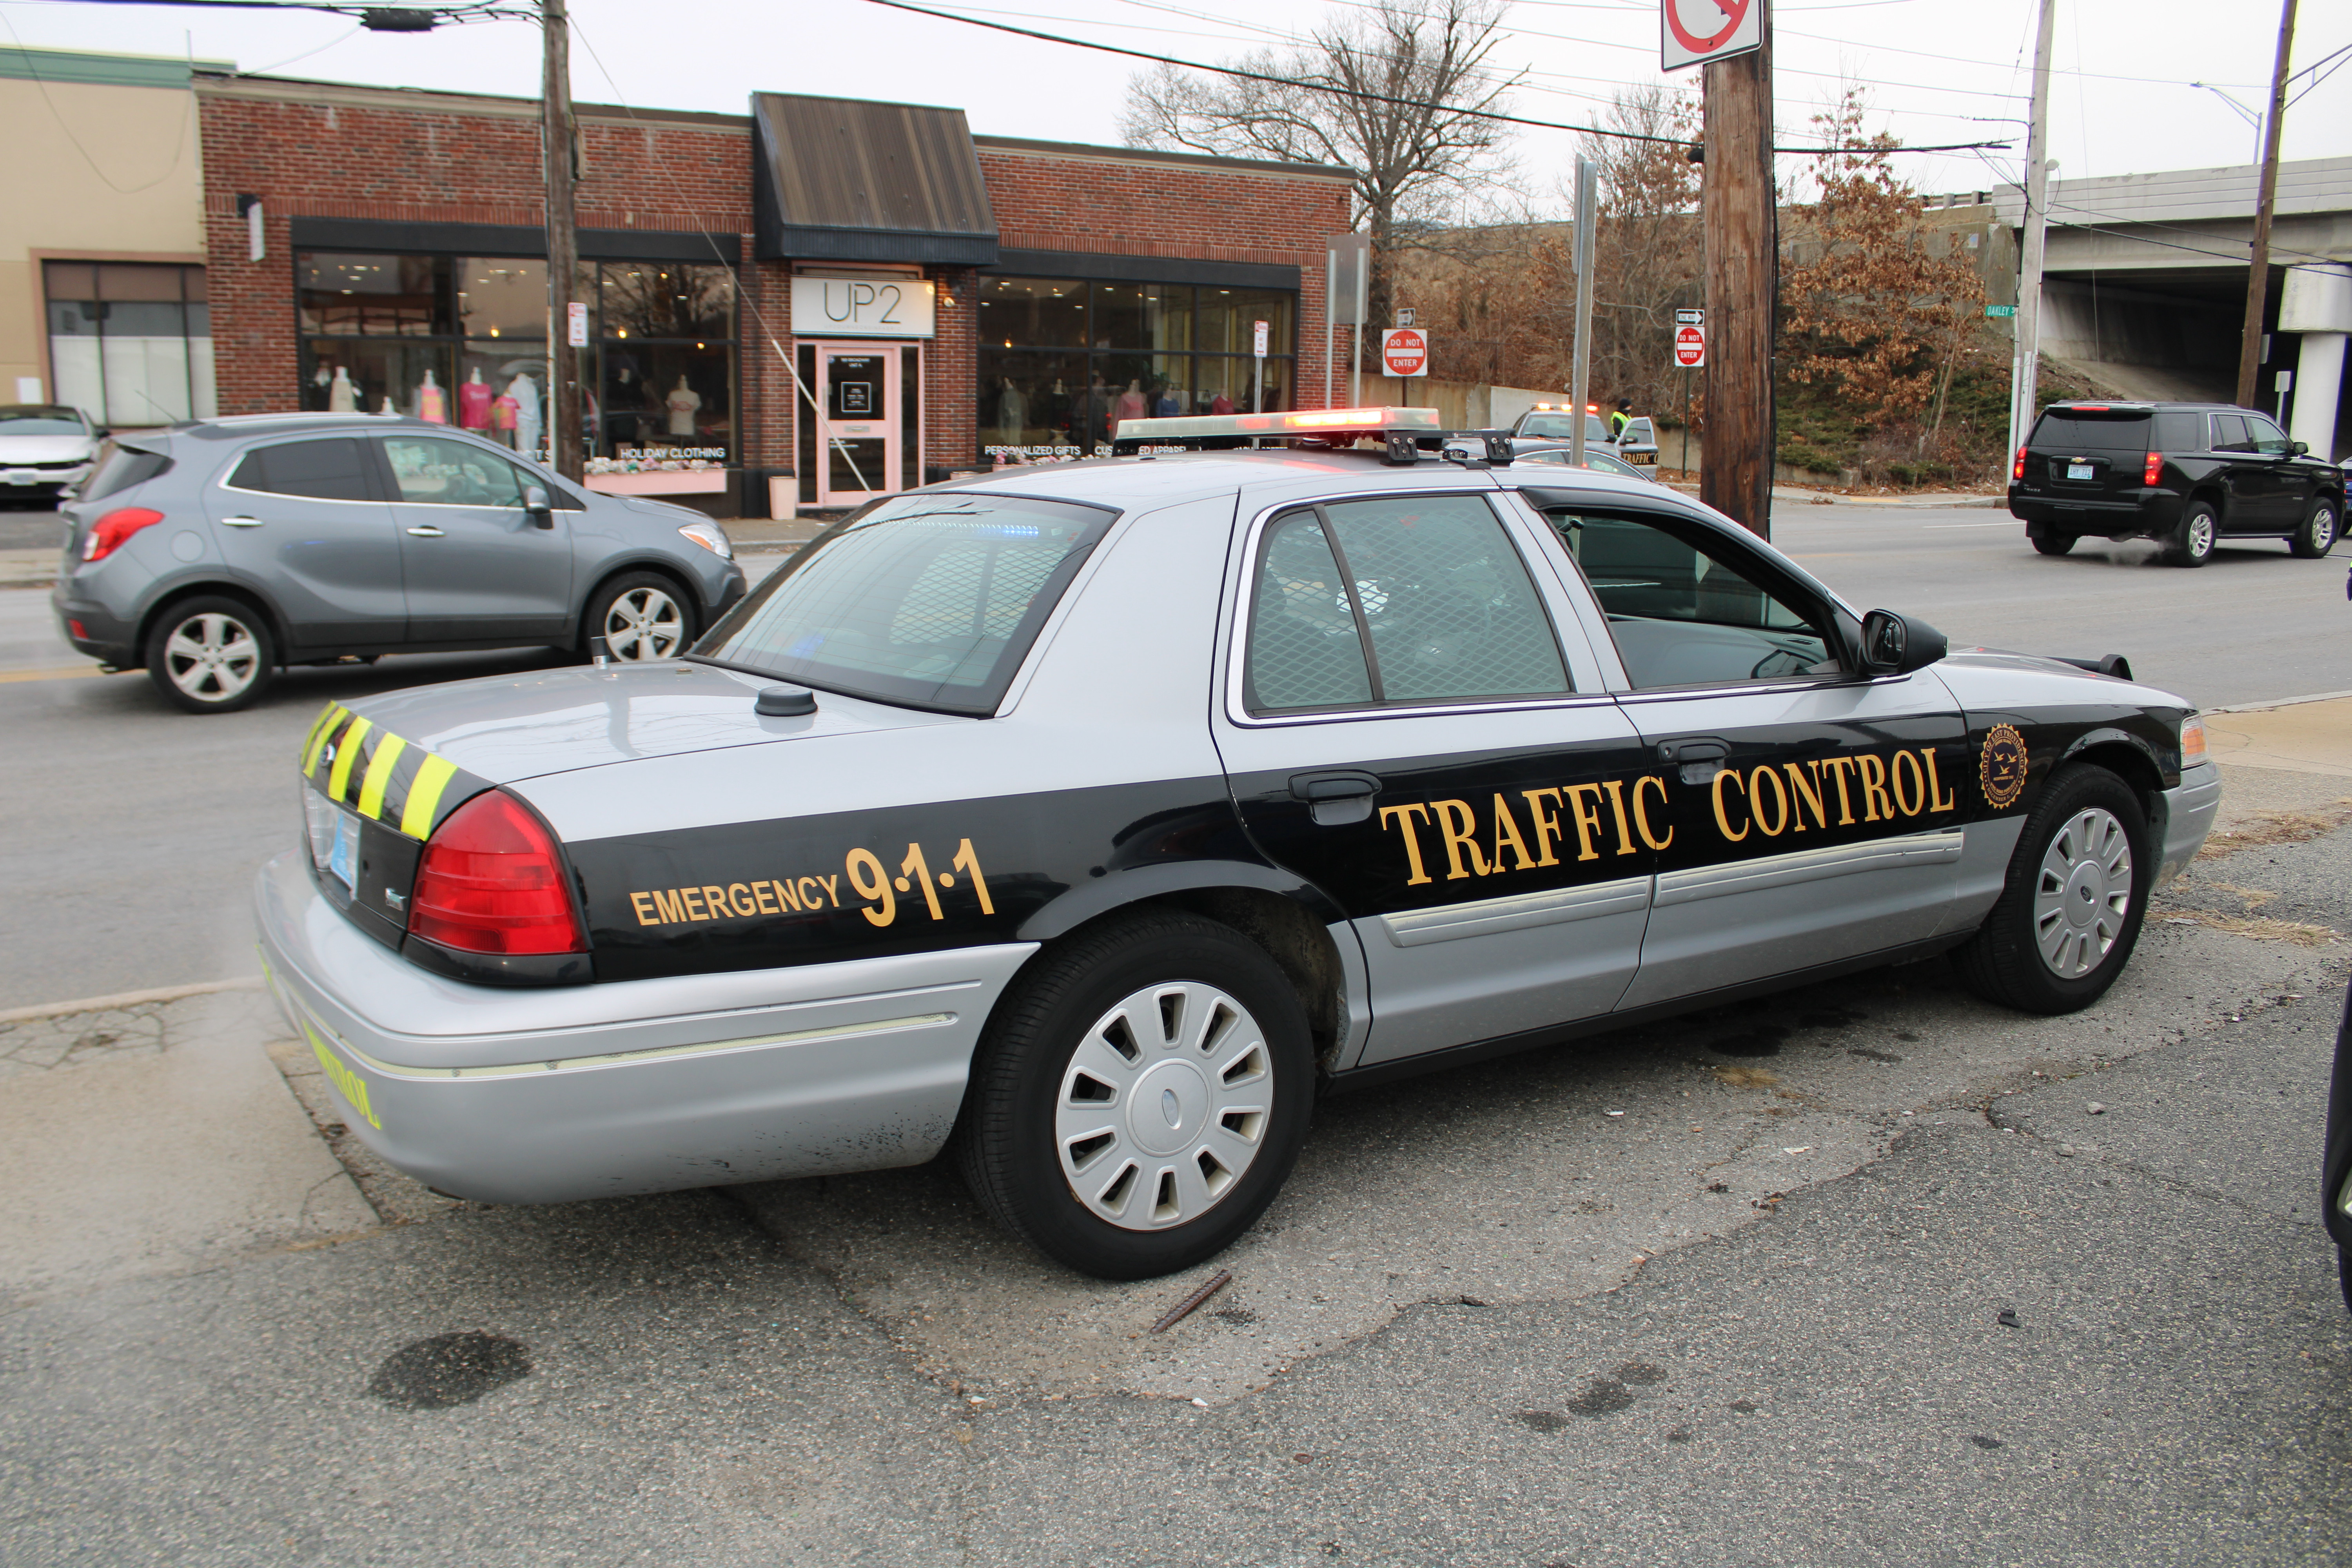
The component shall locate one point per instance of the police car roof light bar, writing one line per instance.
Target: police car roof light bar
(1405, 433)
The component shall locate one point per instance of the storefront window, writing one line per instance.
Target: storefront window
(129, 343)
(375, 296)
(1063, 361)
(463, 340)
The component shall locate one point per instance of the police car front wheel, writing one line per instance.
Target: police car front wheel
(1140, 1098)
(2069, 914)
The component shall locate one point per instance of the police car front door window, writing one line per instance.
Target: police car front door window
(928, 601)
(1681, 614)
(1417, 599)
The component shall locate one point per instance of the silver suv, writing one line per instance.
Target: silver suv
(217, 552)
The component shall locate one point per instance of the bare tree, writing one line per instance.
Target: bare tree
(1392, 90)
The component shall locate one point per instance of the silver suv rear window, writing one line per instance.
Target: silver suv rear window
(925, 600)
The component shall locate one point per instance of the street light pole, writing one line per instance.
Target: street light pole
(557, 153)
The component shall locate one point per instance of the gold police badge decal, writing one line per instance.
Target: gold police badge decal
(2000, 767)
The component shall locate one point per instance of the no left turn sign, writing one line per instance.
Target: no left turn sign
(1690, 347)
(1404, 350)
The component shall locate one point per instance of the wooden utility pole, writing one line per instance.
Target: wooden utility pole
(2258, 264)
(2025, 355)
(1736, 216)
(565, 448)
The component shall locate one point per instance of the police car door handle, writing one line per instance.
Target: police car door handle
(1700, 760)
(426, 532)
(240, 523)
(1335, 800)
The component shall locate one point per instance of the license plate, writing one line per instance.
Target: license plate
(2078, 470)
(345, 857)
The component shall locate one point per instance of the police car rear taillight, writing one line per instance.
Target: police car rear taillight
(490, 881)
(107, 534)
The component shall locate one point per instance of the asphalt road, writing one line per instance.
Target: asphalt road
(134, 829)
(2011, 1331)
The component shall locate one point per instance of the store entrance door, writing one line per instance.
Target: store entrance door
(858, 396)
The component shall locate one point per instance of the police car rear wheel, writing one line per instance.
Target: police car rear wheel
(1140, 1098)
(211, 656)
(2069, 915)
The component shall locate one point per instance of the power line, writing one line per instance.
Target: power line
(1378, 97)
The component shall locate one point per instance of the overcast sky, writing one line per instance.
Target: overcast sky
(1937, 70)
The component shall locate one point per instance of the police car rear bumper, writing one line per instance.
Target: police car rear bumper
(2189, 811)
(644, 1085)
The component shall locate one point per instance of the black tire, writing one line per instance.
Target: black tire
(1013, 1140)
(211, 655)
(2053, 544)
(2194, 537)
(2007, 960)
(2317, 536)
(616, 613)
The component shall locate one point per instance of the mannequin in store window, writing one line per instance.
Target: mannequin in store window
(474, 402)
(1130, 406)
(432, 402)
(1170, 406)
(342, 397)
(505, 415)
(1221, 403)
(683, 403)
(525, 392)
(1012, 413)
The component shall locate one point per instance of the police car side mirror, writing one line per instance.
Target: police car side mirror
(535, 503)
(2301, 448)
(1892, 644)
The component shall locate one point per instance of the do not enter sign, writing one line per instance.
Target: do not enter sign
(1690, 347)
(1404, 350)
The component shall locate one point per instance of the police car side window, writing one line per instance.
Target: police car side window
(1683, 613)
(1417, 599)
(330, 469)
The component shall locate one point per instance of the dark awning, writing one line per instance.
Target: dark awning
(840, 179)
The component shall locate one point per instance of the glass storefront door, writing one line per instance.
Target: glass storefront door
(859, 395)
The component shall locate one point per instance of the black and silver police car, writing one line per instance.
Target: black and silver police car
(1086, 821)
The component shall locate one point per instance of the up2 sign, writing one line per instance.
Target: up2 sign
(862, 308)
(1693, 32)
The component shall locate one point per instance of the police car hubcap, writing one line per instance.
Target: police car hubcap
(2083, 893)
(642, 624)
(211, 658)
(1163, 1106)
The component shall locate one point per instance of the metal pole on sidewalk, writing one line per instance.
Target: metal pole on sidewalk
(2026, 356)
(1588, 183)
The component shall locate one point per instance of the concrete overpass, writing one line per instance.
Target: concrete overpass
(2144, 288)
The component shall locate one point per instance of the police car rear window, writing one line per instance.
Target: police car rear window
(925, 600)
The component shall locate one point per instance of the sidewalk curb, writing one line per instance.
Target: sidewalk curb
(2279, 702)
(127, 999)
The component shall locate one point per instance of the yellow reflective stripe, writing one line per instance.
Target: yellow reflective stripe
(345, 755)
(319, 734)
(355, 1088)
(424, 796)
(378, 774)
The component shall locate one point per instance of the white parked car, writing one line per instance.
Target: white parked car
(45, 448)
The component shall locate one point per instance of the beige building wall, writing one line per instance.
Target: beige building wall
(103, 165)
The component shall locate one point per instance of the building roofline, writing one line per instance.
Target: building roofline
(98, 68)
(1158, 155)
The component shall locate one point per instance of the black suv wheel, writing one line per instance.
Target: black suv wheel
(2192, 542)
(2317, 537)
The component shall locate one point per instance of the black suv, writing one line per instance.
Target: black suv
(2189, 474)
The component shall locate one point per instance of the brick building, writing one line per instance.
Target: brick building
(798, 306)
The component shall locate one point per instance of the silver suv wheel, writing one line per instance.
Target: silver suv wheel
(1164, 1107)
(643, 623)
(2083, 894)
(213, 657)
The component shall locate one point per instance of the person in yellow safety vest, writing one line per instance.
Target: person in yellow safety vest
(1621, 419)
